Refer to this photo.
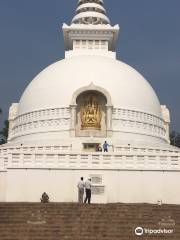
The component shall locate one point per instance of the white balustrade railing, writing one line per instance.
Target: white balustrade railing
(3, 162)
(74, 160)
(62, 157)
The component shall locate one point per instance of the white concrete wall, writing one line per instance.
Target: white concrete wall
(120, 186)
(3, 186)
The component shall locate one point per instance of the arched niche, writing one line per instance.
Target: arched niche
(91, 112)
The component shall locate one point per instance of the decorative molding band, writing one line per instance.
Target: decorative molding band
(42, 115)
(138, 116)
(138, 122)
(58, 118)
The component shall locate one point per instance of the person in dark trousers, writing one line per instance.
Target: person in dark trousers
(88, 191)
(105, 146)
(80, 187)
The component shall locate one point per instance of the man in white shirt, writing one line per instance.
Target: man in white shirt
(80, 190)
(88, 186)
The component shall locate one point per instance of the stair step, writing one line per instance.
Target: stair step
(69, 221)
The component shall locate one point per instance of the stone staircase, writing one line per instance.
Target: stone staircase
(70, 221)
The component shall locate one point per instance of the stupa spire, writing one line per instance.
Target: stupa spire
(90, 32)
(90, 12)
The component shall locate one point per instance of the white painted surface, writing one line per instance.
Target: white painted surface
(3, 186)
(120, 186)
(91, 5)
(54, 87)
(167, 120)
(79, 17)
(118, 160)
(130, 175)
(52, 91)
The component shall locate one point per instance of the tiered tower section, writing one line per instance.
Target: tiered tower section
(91, 12)
(90, 32)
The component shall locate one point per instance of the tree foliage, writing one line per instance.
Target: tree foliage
(4, 131)
(175, 139)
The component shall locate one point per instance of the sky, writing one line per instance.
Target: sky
(31, 39)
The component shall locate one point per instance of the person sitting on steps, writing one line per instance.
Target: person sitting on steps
(45, 198)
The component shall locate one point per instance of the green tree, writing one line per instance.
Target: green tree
(175, 139)
(4, 132)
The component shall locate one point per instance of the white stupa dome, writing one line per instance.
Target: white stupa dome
(44, 111)
(51, 107)
(54, 87)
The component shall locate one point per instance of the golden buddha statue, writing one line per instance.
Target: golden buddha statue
(91, 113)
